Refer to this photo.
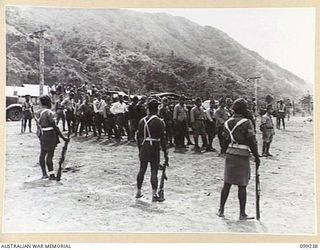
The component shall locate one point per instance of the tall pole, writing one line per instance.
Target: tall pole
(256, 94)
(256, 82)
(41, 64)
(40, 35)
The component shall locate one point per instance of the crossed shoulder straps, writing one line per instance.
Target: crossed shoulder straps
(234, 128)
(146, 130)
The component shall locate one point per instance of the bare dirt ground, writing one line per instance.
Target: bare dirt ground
(97, 192)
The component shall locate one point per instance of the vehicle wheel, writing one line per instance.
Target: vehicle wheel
(14, 114)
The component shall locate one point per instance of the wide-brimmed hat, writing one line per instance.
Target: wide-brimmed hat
(153, 103)
(239, 106)
(45, 100)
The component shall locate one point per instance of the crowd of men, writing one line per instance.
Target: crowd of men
(86, 111)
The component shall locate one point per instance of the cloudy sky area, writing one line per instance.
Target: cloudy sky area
(284, 36)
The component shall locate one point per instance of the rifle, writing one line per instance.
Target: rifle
(163, 178)
(257, 193)
(62, 158)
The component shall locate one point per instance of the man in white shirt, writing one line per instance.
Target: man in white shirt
(98, 109)
(119, 109)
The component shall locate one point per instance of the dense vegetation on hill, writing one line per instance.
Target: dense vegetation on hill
(135, 51)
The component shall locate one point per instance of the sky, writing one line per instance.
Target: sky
(285, 36)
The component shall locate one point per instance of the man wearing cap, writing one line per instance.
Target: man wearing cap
(150, 137)
(27, 111)
(59, 108)
(240, 140)
(98, 108)
(166, 114)
(48, 133)
(180, 118)
(197, 119)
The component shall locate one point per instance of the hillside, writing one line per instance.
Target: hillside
(142, 52)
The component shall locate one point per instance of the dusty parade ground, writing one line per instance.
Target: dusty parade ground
(97, 193)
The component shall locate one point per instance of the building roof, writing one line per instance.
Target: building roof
(26, 89)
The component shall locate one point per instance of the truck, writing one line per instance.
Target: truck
(13, 108)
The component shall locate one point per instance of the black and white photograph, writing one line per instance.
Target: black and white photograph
(159, 120)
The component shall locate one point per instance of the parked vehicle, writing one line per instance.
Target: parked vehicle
(13, 108)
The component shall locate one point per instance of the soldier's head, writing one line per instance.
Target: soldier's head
(143, 99)
(270, 109)
(212, 104)
(135, 99)
(98, 95)
(240, 106)
(198, 102)
(229, 102)
(45, 101)
(222, 102)
(153, 106)
(281, 102)
(27, 97)
(165, 101)
(108, 99)
(182, 99)
(87, 98)
(120, 97)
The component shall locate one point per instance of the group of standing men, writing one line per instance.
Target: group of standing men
(112, 116)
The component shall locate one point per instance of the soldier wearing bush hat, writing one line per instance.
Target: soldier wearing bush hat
(240, 140)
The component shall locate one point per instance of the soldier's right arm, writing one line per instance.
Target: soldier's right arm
(251, 137)
(163, 141)
(139, 134)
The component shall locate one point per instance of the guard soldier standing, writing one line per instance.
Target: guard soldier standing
(150, 137)
(240, 139)
(48, 133)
